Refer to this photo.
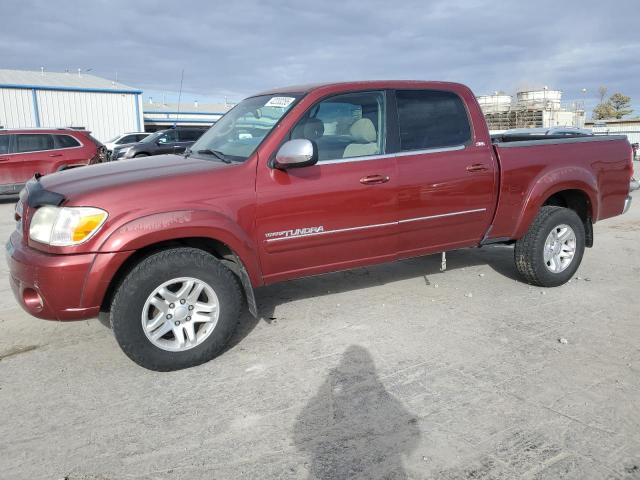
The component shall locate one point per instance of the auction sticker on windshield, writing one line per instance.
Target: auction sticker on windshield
(279, 102)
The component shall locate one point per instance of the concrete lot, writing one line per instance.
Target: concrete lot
(397, 371)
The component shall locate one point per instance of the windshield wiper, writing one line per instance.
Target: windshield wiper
(219, 155)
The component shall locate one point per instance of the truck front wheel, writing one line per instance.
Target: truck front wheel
(551, 250)
(176, 309)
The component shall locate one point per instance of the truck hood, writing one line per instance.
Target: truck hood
(112, 176)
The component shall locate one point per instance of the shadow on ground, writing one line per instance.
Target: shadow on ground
(498, 257)
(353, 426)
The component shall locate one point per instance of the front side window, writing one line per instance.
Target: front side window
(37, 142)
(345, 126)
(4, 144)
(239, 132)
(431, 119)
(169, 136)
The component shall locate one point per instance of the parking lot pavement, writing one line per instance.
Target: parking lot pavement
(397, 371)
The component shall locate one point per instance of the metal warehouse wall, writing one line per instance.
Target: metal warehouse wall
(632, 132)
(16, 108)
(105, 114)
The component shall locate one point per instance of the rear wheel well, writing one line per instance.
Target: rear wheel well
(216, 248)
(579, 202)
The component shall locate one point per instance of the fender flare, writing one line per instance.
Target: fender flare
(552, 182)
(147, 230)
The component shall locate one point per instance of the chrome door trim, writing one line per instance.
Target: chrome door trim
(408, 153)
(366, 227)
(441, 215)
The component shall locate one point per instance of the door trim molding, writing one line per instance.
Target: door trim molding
(293, 235)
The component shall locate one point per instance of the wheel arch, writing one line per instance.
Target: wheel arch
(217, 248)
(579, 193)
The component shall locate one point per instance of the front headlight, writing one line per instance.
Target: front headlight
(65, 226)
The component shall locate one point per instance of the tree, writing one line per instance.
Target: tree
(620, 104)
(617, 106)
(603, 110)
(602, 91)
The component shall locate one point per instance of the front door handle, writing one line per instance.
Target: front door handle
(477, 167)
(374, 179)
(4, 159)
(55, 155)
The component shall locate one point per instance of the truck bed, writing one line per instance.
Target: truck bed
(533, 169)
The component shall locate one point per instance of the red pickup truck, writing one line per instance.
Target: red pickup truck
(295, 182)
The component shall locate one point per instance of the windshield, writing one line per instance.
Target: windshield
(239, 132)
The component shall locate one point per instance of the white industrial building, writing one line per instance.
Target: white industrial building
(530, 109)
(47, 99)
(159, 115)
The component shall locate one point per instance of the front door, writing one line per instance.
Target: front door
(447, 183)
(341, 212)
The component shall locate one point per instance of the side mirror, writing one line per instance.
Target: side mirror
(296, 153)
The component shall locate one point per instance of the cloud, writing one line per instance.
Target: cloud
(236, 48)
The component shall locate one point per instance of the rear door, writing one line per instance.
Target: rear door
(447, 183)
(341, 212)
(32, 152)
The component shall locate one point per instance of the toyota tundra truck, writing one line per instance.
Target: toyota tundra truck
(296, 182)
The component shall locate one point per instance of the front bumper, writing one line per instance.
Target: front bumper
(59, 287)
(48, 286)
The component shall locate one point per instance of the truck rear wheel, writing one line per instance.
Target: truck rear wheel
(176, 309)
(552, 249)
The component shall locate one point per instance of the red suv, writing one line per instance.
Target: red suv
(25, 152)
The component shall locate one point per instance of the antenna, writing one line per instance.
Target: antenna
(180, 93)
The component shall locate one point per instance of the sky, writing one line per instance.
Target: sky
(232, 49)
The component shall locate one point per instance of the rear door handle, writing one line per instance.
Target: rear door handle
(374, 179)
(477, 167)
(4, 159)
(55, 155)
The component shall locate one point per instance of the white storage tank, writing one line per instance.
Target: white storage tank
(495, 103)
(539, 99)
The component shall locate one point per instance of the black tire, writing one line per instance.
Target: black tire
(151, 272)
(529, 250)
(140, 155)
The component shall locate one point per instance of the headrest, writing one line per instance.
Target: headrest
(313, 128)
(363, 131)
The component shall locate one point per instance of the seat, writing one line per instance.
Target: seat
(364, 135)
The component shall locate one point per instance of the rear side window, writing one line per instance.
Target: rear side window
(4, 144)
(65, 141)
(431, 119)
(26, 142)
(190, 135)
(141, 136)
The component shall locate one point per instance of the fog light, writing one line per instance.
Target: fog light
(32, 299)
